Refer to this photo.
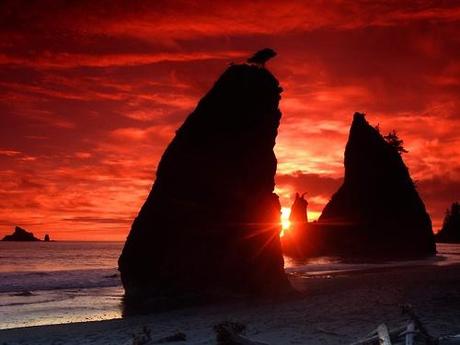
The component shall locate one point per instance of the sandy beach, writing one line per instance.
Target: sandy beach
(331, 309)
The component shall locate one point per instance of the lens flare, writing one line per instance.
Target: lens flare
(285, 222)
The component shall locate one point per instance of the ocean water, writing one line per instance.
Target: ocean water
(58, 282)
(61, 282)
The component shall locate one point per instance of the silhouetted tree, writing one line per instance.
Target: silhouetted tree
(393, 139)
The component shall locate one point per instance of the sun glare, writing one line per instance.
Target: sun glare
(285, 223)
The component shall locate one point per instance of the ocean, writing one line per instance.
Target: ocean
(60, 282)
(45, 283)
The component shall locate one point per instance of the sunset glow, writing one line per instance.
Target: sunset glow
(91, 94)
(285, 223)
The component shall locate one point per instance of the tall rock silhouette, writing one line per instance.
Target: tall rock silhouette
(377, 210)
(450, 231)
(211, 220)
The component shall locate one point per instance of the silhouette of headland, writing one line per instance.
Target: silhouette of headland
(20, 234)
(450, 231)
(210, 224)
(376, 212)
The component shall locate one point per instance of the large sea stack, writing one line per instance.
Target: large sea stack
(377, 210)
(211, 221)
(21, 235)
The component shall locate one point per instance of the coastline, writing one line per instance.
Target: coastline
(331, 309)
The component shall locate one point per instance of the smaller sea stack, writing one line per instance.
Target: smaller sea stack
(377, 210)
(295, 241)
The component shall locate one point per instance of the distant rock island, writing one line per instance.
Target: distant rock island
(20, 234)
(377, 211)
(211, 221)
(450, 231)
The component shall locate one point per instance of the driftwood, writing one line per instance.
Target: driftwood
(179, 336)
(384, 336)
(325, 331)
(145, 338)
(450, 340)
(410, 333)
(414, 327)
(430, 340)
(374, 339)
(229, 333)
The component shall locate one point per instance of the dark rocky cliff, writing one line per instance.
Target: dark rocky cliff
(20, 234)
(211, 220)
(377, 210)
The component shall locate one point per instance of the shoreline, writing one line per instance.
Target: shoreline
(335, 310)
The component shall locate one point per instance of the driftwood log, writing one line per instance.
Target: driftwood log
(410, 333)
(384, 335)
(229, 333)
(374, 338)
(145, 338)
(409, 310)
(450, 340)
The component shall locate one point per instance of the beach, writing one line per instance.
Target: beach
(335, 308)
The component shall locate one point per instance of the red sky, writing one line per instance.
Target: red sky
(91, 93)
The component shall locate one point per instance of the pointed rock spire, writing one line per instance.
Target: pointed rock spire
(378, 204)
(211, 220)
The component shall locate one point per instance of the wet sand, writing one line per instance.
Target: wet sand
(331, 309)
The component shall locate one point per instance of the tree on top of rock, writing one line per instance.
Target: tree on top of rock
(393, 139)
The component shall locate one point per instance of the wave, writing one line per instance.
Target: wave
(335, 265)
(14, 282)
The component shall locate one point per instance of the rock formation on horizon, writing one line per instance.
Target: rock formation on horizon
(295, 238)
(20, 234)
(47, 238)
(298, 213)
(450, 231)
(377, 210)
(211, 221)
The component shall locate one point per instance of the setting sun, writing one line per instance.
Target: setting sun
(186, 171)
(285, 222)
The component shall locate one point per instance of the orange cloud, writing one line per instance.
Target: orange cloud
(91, 94)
